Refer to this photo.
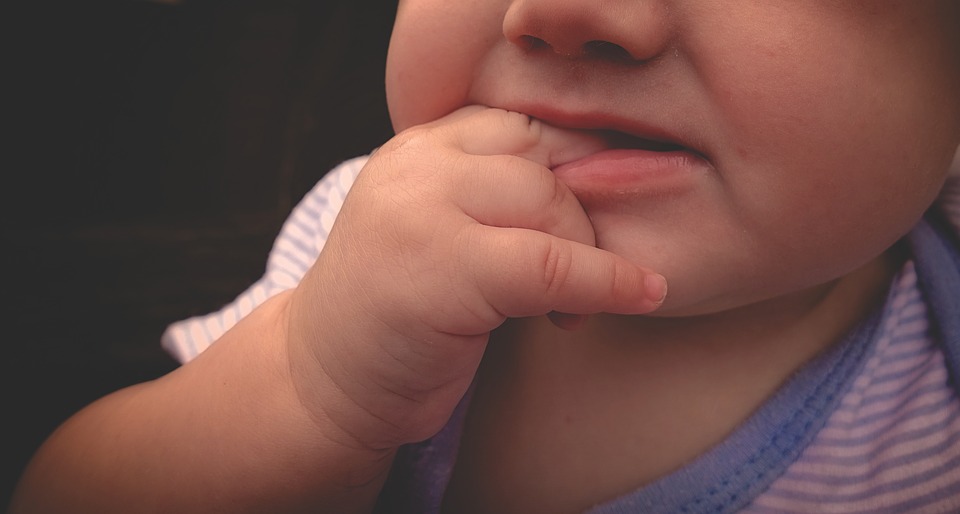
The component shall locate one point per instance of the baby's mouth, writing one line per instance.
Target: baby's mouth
(621, 140)
(615, 133)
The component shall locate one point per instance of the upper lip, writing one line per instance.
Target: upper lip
(621, 132)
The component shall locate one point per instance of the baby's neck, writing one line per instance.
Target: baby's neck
(748, 351)
(628, 399)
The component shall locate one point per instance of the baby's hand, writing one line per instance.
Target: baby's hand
(450, 228)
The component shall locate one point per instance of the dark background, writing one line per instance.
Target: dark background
(157, 149)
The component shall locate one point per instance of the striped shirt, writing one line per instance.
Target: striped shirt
(893, 443)
(873, 425)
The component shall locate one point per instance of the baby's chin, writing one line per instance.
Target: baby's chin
(678, 304)
(687, 298)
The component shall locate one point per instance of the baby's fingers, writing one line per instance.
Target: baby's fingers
(481, 130)
(522, 272)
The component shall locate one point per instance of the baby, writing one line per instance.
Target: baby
(621, 256)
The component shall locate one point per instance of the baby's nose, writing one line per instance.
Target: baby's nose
(619, 30)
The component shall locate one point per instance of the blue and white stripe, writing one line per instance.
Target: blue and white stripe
(295, 249)
(893, 444)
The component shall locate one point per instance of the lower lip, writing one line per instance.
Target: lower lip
(636, 171)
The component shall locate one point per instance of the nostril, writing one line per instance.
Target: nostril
(596, 48)
(606, 50)
(533, 42)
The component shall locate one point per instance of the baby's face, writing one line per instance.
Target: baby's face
(814, 134)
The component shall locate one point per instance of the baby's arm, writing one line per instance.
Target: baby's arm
(223, 433)
(451, 228)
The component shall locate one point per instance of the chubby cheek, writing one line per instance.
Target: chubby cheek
(852, 186)
(815, 206)
(416, 94)
(827, 163)
(436, 48)
(802, 196)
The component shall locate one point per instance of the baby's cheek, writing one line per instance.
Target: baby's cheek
(428, 76)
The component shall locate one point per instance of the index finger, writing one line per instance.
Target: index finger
(482, 130)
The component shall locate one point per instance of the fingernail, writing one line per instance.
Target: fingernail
(655, 288)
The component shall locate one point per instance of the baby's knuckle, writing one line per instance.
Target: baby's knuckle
(557, 195)
(556, 262)
(464, 246)
(528, 128)
(410, 140)
(534, 127)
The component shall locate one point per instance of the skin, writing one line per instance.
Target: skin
(823, 125)
(774, 96)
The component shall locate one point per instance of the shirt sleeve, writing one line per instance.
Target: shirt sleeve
(949, 199)
(295, 249)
